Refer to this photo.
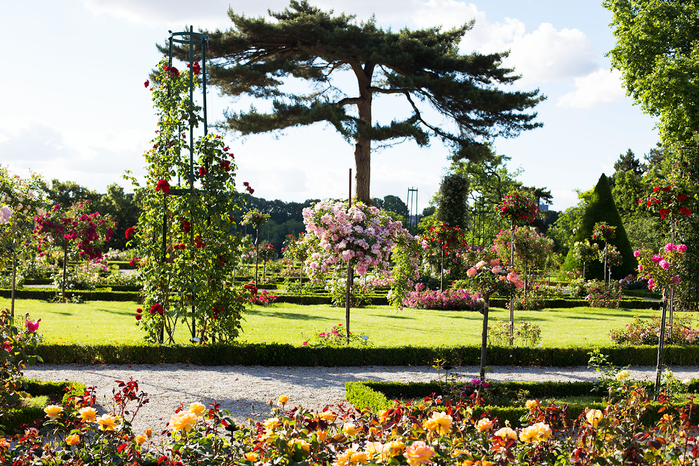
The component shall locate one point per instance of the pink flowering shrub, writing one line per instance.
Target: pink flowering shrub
(661, 269)
(647, 332)
(448, 299)
(359, 235)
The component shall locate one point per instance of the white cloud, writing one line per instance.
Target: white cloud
(596, 88)
(548, 54)
(207, 14)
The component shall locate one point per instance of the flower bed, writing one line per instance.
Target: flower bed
(429, 431)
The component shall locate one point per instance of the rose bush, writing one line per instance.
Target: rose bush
(186, 253)
(427, 431)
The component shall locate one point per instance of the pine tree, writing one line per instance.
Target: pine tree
(601, 208)
(423, 67)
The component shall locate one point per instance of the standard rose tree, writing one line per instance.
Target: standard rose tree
(77, 234)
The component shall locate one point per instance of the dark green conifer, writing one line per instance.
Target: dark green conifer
(601, 208)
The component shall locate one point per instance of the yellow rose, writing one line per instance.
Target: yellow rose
(328, 416)
(506, 433)
(4, 445)
(321, 435)
(531, 404)
(283, 400)
(197, 409)
(251, 456)
(107, 422)
(440, 422)
(343, 459)
(148, 432)
(349, 429)
(305, 446)
(272, 423)
(374, 448)
(621, 375)
(593, 416)
(73, 439)
(419, 453)
(394, 448)
(88, 414)
(53, 411)
(536, 433)
(184, 420)
(484, 425)
(140, 439)
(359, 457)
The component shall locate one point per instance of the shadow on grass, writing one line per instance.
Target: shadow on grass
(288, 315)
(121, 313)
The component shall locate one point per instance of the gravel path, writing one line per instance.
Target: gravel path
(246, 391)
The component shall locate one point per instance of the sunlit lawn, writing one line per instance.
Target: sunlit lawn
(113, 322)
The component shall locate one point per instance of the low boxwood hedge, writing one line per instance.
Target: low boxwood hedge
(276, 354)
(43, 393)
(379, 396)
(87, 295)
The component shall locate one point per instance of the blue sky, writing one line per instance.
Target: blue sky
(75, 107)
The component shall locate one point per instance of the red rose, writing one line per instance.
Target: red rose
(163, 186)
(138, 316)
(130, 232)
(145, 84)
(226, 165)
(202, 172)
(185, 226)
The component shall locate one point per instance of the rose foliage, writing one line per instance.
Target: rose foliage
(429, 431)
(183, 238)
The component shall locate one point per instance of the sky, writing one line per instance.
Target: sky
(75, 107)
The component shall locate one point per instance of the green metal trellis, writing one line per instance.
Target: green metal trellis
(190, 39)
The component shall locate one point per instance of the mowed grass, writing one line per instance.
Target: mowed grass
(105, 322)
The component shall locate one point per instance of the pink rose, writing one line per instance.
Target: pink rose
(32, 326)
(636, 253)
(668, 247)
(471, 272)
(664, 264)
(682, 247)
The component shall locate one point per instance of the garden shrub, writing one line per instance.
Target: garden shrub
(647, 332)
(451, 299)
(603, 295)
(526, 334)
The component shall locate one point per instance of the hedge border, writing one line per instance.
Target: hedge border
(374, 396)
(277, 354)
(55, 391)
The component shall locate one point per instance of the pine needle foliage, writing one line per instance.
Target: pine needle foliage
(258, 57)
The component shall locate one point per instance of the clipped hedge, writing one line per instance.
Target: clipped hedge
(277, 354)
(565, 303)
(379, 396)
(87, 295)
(54, 393)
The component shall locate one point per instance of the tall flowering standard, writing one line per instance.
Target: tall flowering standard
(601, 231)
(77, 234)
(442, 244)
(489, 276)
(518, 208)
(21, 199)
(255, 219)
(357, 238)
(184, 246)
(662, 270)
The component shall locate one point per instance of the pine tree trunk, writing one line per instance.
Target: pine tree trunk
(362, 147)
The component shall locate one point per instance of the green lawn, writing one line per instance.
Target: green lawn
(113, 322)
